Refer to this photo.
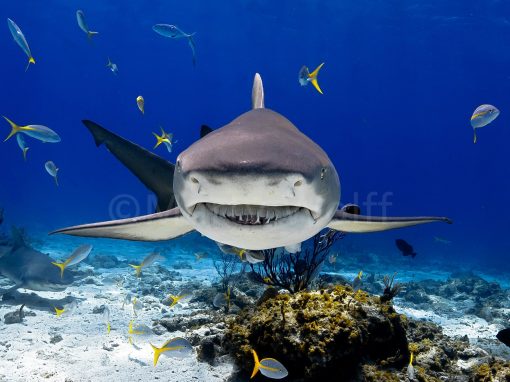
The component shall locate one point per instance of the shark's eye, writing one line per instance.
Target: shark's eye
(178, 165)
(323, 172)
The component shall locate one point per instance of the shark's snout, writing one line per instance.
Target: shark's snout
(256, 183)
(285, 186)
(250, 196)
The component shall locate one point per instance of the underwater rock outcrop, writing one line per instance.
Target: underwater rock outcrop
(15, 317)
(106, 262)
(463, 293)
(492, 371)
(319, 334)
(353, 336)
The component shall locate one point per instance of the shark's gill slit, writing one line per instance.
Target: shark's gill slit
(249, 214)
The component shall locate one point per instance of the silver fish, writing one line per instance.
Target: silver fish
(20, 39)
(22, 145)
(254, 257)
(42, 133)
(177, 347)
(482, 116)
(127, 300)
(172, 31)
(106, 318)
(79, 254)
(356, 283)
(113, 67)
(268, 367)
(80, 17)
(52, 170)
(220, 300)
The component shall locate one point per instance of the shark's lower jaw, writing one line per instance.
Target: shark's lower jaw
(252, 215)
(254, 227)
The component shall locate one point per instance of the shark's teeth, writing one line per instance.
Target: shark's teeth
(248, 214)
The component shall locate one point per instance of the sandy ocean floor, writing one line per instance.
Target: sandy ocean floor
(76, 346)
(85, 351)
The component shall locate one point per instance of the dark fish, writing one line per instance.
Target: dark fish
(405, 248)
(504, 336)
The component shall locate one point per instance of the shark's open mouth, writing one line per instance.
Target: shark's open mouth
(248, 214)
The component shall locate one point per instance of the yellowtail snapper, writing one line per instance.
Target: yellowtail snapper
(165, 139)
(78, 255)
(177, 347)
(112, 66)
(148, 261)
(174, 299)
(410, 369)
(482, 116)
(137, 306)
(356, 283)
(106, 319)
(222, 300)
(52, 170)
(22, 145)
(66, 309)
(80, 17)
(138, 330)
(172, 31)
(141, 104)
(268, 367)
(306, 77)
(20, 39)
(42, 133)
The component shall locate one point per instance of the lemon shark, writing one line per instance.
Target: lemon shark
(255, 183)
(30, 269)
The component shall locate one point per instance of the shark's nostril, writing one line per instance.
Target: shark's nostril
(298, 183)
(194, 180)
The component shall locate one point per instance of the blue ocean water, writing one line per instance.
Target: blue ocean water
(401, 80)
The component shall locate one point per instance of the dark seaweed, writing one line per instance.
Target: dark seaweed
(391, 289)
(295, 272)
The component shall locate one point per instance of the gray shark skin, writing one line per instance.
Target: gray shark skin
(31, 269)
(255, 183)
(153, 171)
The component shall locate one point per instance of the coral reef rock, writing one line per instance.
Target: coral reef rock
(319, 334)
(15, 317)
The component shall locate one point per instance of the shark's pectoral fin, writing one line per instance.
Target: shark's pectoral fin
(159, 226)
(347, 222)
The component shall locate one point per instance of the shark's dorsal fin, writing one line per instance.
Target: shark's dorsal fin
(204, 130)
(257, 93)
(153, 171)
(17, 237)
